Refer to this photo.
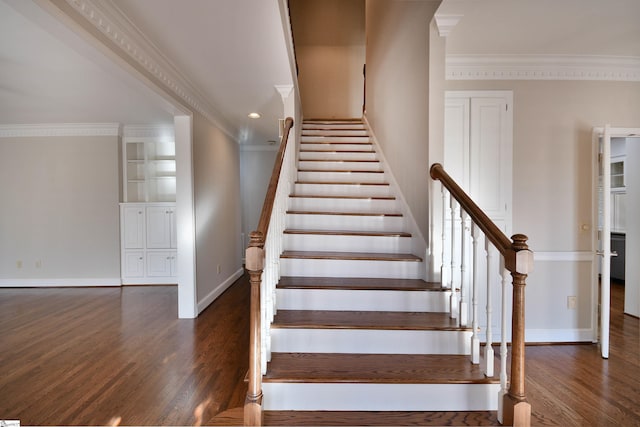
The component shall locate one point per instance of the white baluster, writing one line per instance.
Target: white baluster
(452, 285)
(488, 349)
(443, 267)
(503, 339)
(475, 339)
(464, 287)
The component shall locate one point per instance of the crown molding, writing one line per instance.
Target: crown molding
(60, 129)
(542, 67)
(106, 17)
(446, 23)
(148, 131)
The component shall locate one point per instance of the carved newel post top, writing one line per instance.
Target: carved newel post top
(256, 238)
(519, 242)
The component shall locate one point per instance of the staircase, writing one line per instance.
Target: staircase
(356, 327)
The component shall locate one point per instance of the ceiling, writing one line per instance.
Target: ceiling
(544, 27)
(233, 53)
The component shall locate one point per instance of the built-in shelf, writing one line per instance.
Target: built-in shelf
(149, 171)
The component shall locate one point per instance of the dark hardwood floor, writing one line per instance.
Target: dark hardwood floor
(99, 356)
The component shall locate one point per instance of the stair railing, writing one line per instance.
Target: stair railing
(262, 261)
(515, 259)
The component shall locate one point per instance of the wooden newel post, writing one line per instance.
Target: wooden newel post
(254, 264)
(517, 411)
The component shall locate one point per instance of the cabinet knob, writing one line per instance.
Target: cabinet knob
(139, 212)
(140, 258)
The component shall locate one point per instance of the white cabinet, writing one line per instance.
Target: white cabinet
(148, 243)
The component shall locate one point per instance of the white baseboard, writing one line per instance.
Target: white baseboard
(558, 335)
(211, 296)
(53, 283)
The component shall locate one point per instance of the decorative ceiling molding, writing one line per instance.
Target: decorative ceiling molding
(284, 91)
(542, 67)
(446, 23)
(114, 24)
(60, 129)
(145, 131)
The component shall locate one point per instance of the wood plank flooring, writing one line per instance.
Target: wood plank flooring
(100, 356)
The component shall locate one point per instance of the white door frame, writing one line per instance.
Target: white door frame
(603, 299)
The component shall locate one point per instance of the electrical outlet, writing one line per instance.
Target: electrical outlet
(572, 302)
(38, 264)
(19, 264)
(218, 269)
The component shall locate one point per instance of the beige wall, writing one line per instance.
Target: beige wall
(632, 267)
(330, 52)
(216, 166)
(398, 42)
(552, 192)
(60, 207)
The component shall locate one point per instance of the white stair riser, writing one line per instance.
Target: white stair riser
(351, 268)
(343, 147)
(329, 154)
(344, 222)
(362, 300)
(354, 139)
(334, 132)
(333, 243)
(343, 205)
(302, 189)
(346, 166)
(369, 341)
(380, 397)
(333, 126)
(341, 176)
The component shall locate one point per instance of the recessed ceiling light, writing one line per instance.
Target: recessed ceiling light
(254, 115)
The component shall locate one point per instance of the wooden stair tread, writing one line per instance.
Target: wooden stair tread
(358, 283)
(337, 151)
(341, 161)
(343, 213)
(335, 142)
(375, 369)
(340, 171)
(359, 256)
(342, 183)
(342, 197)
(376, 320)
(349, 233)
(380, 418)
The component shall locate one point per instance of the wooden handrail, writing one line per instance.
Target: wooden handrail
(518, 260)
(267, 206)
(254, 263)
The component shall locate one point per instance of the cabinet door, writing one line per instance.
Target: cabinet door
(159, 227)
(133, 264)
(173, 229)
(133, 227)
(159, 264)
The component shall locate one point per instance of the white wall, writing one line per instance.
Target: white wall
(553, 123)
(330, 52)
(216, 169)
(60, 208)
(398, 67)
(632, 267)
(256, 166)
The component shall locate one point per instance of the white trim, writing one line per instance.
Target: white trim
(446, 23)
(558, 335)
(253, 147)
(59, 129)
(542, 67)
(55, 283)
(211, 296)
(572, 256)
(149, 131)
(107, 18)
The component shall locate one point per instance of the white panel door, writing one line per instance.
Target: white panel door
(159, 227)
(133, 227)
(133, 264)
